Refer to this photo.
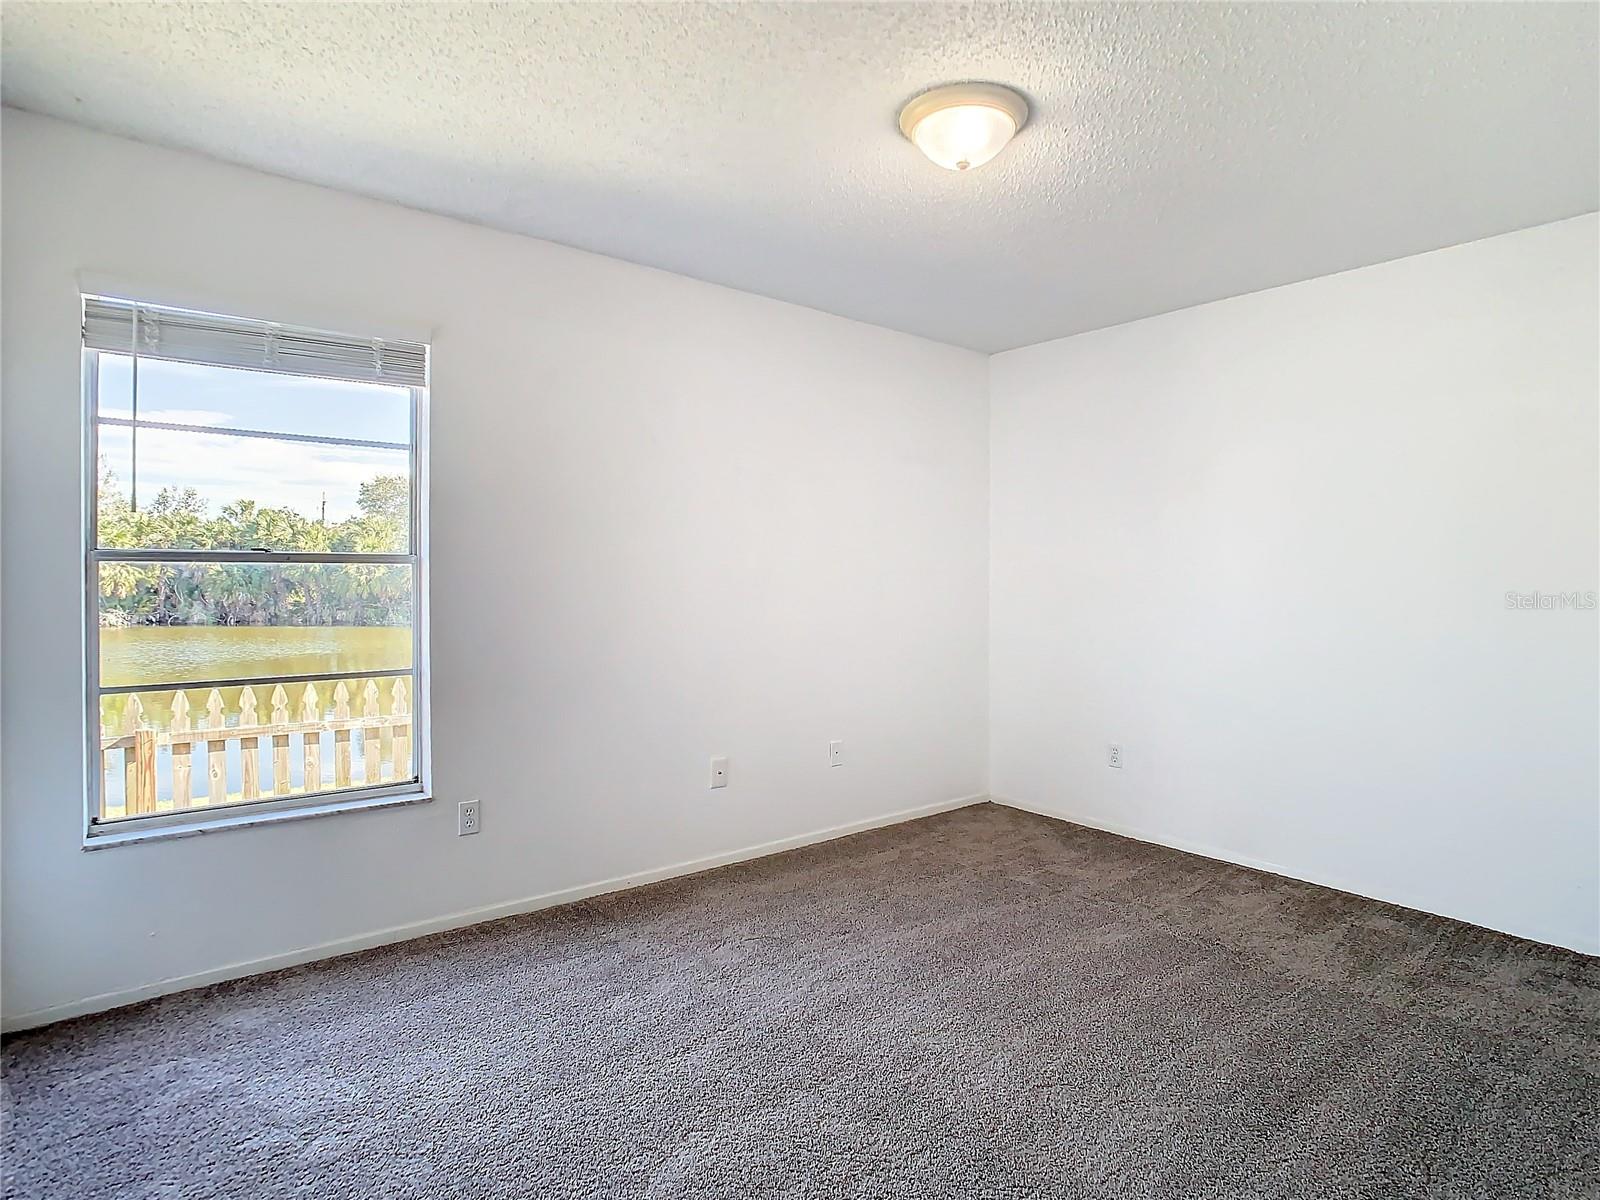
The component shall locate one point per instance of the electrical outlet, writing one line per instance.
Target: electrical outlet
(467, 820)
(1113, 755)
(719, 772)
(836, 754)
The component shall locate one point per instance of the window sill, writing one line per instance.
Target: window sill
(115, 836)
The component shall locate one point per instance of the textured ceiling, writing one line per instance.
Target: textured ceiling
(1177, 154)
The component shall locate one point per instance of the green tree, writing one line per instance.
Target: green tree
(250, 593)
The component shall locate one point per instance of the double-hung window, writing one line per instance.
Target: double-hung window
(255, 568)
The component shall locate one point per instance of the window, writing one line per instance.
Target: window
(256, 630)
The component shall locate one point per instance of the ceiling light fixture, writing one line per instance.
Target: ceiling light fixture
(963, 125)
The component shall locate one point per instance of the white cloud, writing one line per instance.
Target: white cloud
(223, 469)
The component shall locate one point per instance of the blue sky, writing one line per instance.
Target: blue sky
(223, 469)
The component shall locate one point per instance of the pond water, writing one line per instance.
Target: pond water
(178, 653)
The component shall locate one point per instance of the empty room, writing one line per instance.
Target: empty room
(820, 600)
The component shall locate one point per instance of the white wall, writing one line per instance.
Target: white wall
(684, 520)
(1264, 544)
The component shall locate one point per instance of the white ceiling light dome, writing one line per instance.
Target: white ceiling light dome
(963, 125)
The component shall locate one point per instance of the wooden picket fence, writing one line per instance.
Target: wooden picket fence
(383, 737)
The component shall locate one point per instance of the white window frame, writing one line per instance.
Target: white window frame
(267, 810)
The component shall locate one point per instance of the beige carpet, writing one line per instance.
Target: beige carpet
(984, 1003)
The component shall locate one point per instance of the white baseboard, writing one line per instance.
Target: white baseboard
(474, 916)
(1565, 942)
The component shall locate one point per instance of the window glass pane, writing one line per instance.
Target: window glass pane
(156, 754)
(230, 398)
(162, 489)
(243, 476)
(176, 622)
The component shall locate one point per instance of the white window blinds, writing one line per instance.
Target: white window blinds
(123, 327)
